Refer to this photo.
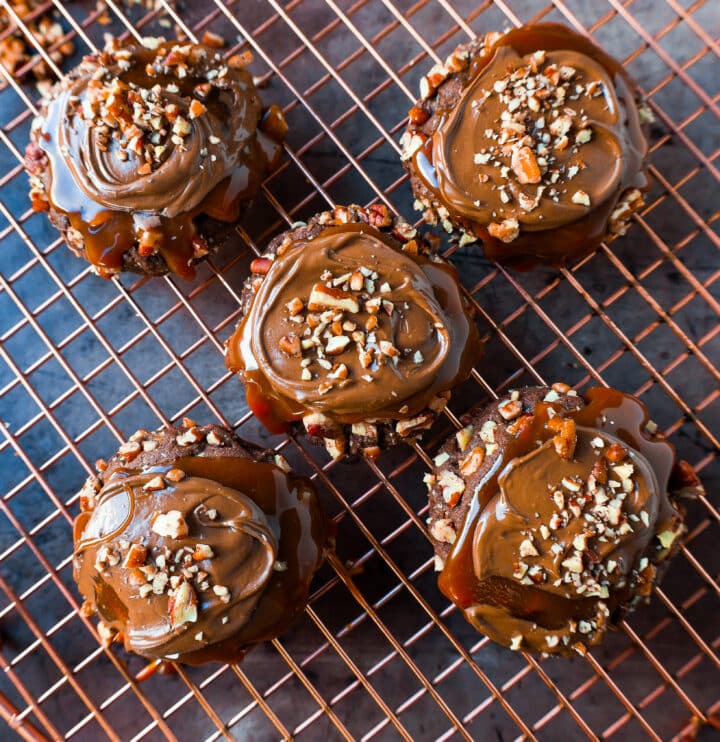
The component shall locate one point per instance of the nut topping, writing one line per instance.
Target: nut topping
(170, 525)
(326, 297)
(137, 553)
(183, 605)
(290, 345)
(525, 166)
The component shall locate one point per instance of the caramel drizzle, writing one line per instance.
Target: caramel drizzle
(86, 544)
(606, 410)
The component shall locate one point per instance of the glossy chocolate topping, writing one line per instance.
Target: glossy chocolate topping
(140, 141)
(558, 540)
(546, 133)
(350, 325)
(200, 560)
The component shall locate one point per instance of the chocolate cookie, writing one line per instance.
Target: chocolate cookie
(353, 327)
(194, 545)
(141, 152)
(552, 515)
(530, 141)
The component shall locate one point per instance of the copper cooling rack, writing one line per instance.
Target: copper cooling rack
(379, 653)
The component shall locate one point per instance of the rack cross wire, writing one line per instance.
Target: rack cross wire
(379, 652)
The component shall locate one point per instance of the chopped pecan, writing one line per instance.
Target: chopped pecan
(182, 606)
(170, 525)
(615, 453)
(318, 425)
(506, 230)
(337, 344)
(290, 345)
(136, 556)
(443, 530)
(379, 216)
(452, 487)
(202, 551)
(683, 477)
(510, 409)
(525, 165)
(335, 447)
(213, 40)
(407, 428)
(239, 61)
(404, 231)
(520, 424)
(464, 437)
(154, 484)
(261, 266)
(565, 438)
(472, 462)
(325, 297)
(600, 472)
(417, 116)
(365, 430)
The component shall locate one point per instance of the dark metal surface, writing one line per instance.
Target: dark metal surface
(379, 652)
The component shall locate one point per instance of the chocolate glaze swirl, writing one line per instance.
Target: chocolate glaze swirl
(110, 189)
(263, 530)
(427, 324)
(183, 178)
(520, 543)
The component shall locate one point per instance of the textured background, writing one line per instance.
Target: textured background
(69, 391)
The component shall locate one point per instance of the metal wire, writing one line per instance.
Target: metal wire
(379, 653)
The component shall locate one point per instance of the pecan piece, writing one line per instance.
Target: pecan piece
(683, 477)
(565, 438)
(379, 216)
(472, 462)
(290, 345)
(261, 266)
(452, 487)
(505, 231)
(443, 530)
(136, 556)
(182, 606)
(170, 525)
(525, 165)
(406, 428)
(318, 425)
(615, 453)
(418, 116)
(325, 297)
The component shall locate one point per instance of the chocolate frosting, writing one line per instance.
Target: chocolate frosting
(145, 139)
(545, 135)
(609, 161)
(554, 547)
(234, 572)
(403, 332)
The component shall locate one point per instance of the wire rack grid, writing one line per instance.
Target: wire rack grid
(379, 653)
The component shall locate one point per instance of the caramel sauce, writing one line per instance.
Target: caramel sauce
(607, 410)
